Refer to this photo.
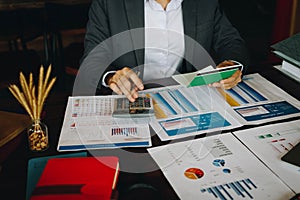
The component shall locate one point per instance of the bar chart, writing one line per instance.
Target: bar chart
(241, 188)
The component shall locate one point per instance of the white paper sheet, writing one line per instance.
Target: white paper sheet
(183, 112)
(185, 79)
(88, 124)
(289, 70)
(217, 167)
(269, 143)
(256, 101)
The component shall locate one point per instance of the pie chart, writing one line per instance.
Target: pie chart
(194, 173)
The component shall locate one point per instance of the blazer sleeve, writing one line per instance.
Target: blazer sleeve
(97, 29)
(96, 57)
(227, 42)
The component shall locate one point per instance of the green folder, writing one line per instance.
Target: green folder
(36, 167)
(206, 76)
(211, 77)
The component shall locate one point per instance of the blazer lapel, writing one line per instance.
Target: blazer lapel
(135, 16)
(189, 12)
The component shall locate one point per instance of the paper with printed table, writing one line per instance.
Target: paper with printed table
(88, 124)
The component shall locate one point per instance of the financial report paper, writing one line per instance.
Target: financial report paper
(183, 111)
(269, 143)
(88, 124)
(217, 167)
(179, 112)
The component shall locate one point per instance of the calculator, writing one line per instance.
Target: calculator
(141, 107)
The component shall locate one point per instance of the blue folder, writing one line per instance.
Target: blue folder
(36, 167)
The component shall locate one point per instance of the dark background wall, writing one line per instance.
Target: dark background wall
(255, 20)
(22, 36)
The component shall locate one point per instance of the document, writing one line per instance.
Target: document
(217, 167)
(269, 143)
(188, 111)
(289, 69)
(256, 100)
(182, 112)
(88, 124)
(179, 112)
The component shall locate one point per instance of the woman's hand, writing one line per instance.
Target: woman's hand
(231, 81)
(127, 82)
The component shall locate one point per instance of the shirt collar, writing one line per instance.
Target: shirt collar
(176, 3)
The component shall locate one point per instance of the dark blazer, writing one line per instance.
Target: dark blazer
(204, 22)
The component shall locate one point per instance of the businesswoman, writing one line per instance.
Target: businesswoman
(165, 37)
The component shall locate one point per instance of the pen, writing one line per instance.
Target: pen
(138, 72)
(247, 78)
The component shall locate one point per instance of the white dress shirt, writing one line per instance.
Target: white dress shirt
(164, 40)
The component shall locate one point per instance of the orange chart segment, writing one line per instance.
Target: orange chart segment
(159, 113)
(194, 173)
(228, 98)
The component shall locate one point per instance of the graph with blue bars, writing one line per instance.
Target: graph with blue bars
(183, 105)
(226, 191)
(245, 94)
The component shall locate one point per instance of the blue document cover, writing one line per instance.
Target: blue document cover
(36, 167)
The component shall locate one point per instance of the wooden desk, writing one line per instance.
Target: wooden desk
(19, 4)
(13, 175)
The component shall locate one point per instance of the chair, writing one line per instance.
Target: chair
(33, 26)
(66, 23)
(14, 57)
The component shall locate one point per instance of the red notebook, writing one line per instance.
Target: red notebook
(80, 178)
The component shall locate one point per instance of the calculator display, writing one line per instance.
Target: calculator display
(141, 107)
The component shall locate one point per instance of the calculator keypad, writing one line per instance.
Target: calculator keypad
(142, 105)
